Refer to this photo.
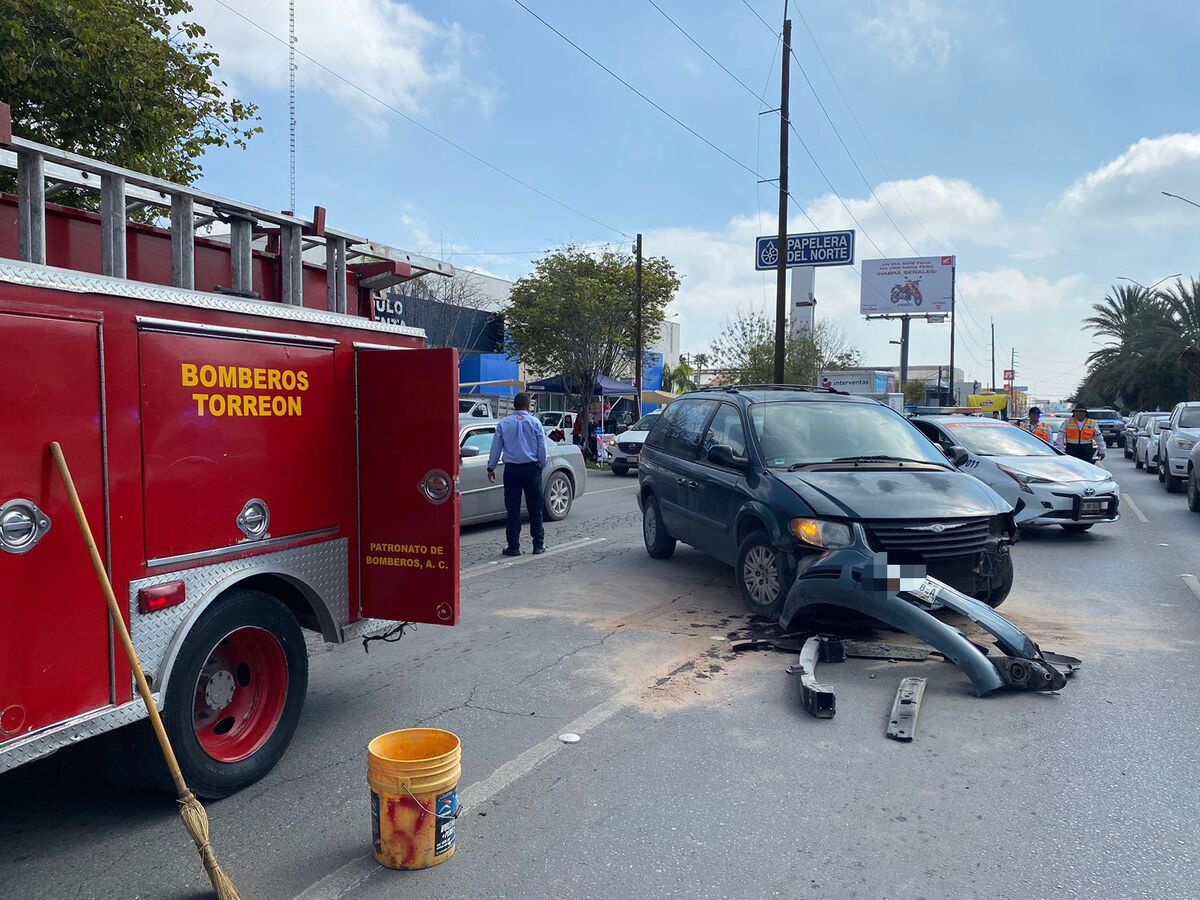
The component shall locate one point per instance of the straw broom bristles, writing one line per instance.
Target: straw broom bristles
(195, 819)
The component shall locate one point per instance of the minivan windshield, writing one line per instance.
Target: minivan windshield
(998, 440)
(807, 432)
(1189, 417)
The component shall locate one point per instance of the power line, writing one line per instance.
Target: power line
(850, 155)
(733, 159)
(845, 206)
(445, 140)
(874, 153)
(766, 24)
(699, 47)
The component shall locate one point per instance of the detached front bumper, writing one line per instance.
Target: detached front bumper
(1067, 503)
(859, 580)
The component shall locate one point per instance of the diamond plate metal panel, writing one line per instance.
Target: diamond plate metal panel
(83, 282)
(41, 743)
(321, 570)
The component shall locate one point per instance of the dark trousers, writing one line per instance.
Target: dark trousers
(523, 479)
(1086, 452)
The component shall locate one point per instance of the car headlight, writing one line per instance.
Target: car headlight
(1024, 480)
(819, 533)
(1182, 443)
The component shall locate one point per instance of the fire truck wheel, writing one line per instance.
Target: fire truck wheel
(557, 499)
(235, 694)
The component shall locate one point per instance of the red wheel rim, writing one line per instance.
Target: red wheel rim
(240, 694)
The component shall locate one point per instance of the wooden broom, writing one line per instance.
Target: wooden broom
(195, 820)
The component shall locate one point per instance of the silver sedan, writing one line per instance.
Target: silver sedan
(563, 479)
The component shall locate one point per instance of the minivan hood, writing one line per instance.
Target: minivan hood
(874, 493)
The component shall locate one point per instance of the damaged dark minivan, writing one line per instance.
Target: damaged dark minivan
(796, 486)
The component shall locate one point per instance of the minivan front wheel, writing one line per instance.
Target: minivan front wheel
(764, 575)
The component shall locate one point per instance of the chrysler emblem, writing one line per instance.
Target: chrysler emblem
(936, 527)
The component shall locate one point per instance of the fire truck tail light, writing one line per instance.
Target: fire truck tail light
(161, 596)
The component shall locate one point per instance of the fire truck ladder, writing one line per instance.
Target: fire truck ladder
(43, 171)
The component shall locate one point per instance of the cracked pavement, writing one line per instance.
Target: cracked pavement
(705, 779)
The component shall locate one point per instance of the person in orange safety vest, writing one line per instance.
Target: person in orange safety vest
(1080, 436)
(1037, 426)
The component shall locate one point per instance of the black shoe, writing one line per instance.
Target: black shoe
(512, 551)
(537, 550)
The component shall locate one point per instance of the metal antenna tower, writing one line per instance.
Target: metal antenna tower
(292, 101)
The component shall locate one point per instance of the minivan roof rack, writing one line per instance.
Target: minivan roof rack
(733, 388)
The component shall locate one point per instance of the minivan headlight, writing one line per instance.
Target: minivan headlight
(819, 533)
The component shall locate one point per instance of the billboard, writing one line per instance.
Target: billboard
(914, 286)
(863, 381)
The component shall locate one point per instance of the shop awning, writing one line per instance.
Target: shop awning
(560, 384)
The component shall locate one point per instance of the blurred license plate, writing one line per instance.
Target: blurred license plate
(1093, 507)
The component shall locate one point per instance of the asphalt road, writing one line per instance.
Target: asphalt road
(698, 775)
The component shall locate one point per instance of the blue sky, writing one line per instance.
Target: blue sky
(1030, 139)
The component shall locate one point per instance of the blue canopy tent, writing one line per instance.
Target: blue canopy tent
(603, 387)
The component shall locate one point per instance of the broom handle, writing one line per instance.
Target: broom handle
(114, 613)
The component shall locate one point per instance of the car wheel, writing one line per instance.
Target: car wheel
(999, 593)
(1077, 527)
(764, 575)
(1161, 468)
(557, 500)
(1137, 462)
(1193, 492)
(1174, 484)
(1126, 452)
(620, 471)
(1151, 465)
(234, 697)
(659, 544)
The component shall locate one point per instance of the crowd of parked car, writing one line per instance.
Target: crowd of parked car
(1167, 444)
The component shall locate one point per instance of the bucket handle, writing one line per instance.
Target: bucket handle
(430, 812)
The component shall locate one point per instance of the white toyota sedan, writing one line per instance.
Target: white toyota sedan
(1044, 485)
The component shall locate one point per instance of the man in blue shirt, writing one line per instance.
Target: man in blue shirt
(522, 443)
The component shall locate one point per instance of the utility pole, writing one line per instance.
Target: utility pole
(781, 264)
(1012, 367)
(993, 354)
(904, 323)
(953, 318)
(637, 324)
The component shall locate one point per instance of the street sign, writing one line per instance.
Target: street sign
(822, 248)
(1008, 374)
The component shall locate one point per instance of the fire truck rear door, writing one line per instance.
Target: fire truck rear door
(54, 641)
(408, 472)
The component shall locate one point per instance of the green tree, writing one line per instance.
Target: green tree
(1180, 334)
(126, 81)
(744, 351)
(679, 378)
(914, 392)
(574, 314)
(1142, 362)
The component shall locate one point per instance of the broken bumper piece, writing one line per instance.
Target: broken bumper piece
(859, 581)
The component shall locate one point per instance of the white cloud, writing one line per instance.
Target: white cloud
(1013, 290)
(1125, 192)
(913, 33)
(387, 48)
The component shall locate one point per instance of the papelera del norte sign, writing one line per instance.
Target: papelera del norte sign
(821, 248)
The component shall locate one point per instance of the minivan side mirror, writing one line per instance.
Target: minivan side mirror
(467, 452)
(957, 455)
(722, 455)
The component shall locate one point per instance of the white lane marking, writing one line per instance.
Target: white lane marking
(497, 565)
(1141, 516)
(358, 871)
(620, 487)
(482, 791)
(1193, 583)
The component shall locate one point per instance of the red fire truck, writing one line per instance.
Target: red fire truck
(258, 458)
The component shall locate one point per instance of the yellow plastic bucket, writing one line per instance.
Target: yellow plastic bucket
(413, 775)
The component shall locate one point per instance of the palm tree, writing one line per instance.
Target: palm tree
(678, 378)
(1181, 335)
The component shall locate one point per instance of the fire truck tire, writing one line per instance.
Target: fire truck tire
(235, 696)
